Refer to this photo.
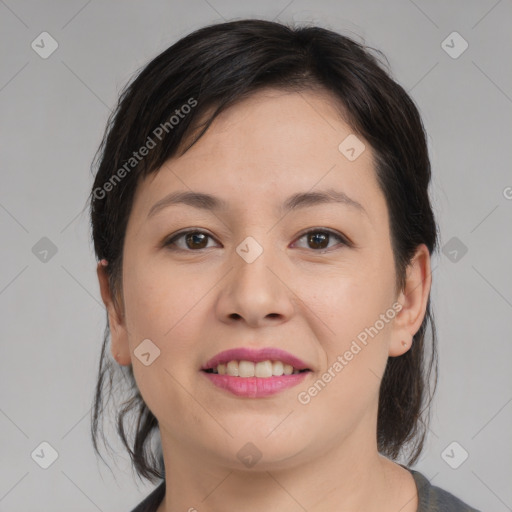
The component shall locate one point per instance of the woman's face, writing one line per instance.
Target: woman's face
(261, 274)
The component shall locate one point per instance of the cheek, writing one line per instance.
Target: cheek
(159, 302)
(165, 308)
(355, 351)
(358, 316)
(349, 302)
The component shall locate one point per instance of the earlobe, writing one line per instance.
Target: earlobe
(119, 336)
(413, 298)
(401, 347)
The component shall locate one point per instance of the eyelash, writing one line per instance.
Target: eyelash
(171, 241)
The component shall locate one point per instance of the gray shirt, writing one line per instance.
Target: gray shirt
(434, 499)
(430, 498)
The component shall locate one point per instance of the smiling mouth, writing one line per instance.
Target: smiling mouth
(262, 369)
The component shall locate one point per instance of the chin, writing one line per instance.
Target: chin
(264, 452)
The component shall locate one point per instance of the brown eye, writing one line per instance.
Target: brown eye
(319, 239)
(194, 240)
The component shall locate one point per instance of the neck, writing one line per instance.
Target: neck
(351, 476)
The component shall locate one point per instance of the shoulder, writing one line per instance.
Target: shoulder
(434, 499)
(152, 501)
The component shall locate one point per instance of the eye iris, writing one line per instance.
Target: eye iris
(193, 237)
(317, 238)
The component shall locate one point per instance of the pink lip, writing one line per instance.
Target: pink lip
(247, 354)
(255, 387)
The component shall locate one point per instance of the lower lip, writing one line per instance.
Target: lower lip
(255, 387)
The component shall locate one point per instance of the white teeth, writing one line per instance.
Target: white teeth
(245, 369)
(232, 368)
(277, 368)
(264, 369)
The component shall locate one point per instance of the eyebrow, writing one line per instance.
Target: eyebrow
(296, 201)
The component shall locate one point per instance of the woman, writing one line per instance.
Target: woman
(262, 222)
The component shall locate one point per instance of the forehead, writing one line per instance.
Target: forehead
(267, 147)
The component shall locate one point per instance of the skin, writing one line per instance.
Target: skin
(321, 456)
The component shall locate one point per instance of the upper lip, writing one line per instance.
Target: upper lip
(255, 355)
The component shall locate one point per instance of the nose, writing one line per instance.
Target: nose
(256, 292)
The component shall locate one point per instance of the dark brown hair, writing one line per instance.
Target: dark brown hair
(210, 70)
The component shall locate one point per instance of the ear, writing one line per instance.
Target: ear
(118, 332)
(414, 300)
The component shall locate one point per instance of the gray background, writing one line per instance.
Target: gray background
(53, 113)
